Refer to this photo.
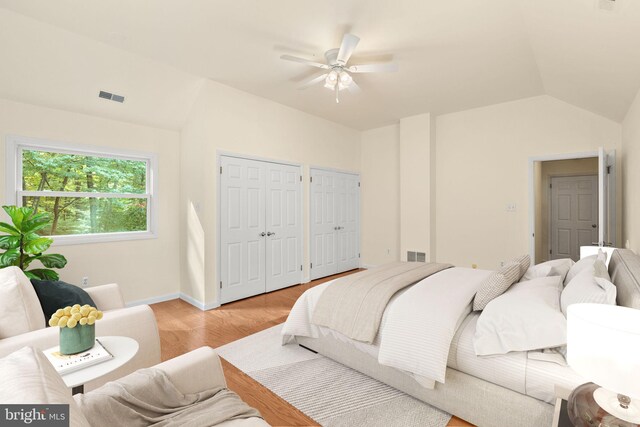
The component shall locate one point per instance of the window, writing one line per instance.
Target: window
(91, 194)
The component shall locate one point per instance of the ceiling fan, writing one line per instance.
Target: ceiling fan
(338, 75)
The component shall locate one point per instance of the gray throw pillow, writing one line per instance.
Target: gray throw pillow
(496, 284)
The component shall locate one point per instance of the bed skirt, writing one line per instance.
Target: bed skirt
(477, 401)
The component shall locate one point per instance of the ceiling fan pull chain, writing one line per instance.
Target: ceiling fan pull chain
(337, 93)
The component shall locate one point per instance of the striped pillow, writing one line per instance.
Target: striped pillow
(524, 261)
(496, 284)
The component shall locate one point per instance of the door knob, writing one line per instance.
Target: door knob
(594, 225)
(262, 234)
(270, 233)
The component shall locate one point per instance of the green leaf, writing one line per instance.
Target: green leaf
(9, 258)
(53, 260)
(35, 223)
(27, 260)
(18, 214)
(9, 242)
(31, 276)
(42, 274)
(6, 228)
(37, 246)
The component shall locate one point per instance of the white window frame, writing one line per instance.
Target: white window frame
(14, 145)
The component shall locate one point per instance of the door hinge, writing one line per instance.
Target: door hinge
(300, 178)
(220, 170)
(550, 185)
(550, 251)
(311, 265)
(358, 184)
(358, 255)
(608, 170)
(220, 284)
(310, 179)
(300, 267)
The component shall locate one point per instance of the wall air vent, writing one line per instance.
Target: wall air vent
(111, 96)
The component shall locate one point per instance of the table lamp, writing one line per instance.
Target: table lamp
(603, 346)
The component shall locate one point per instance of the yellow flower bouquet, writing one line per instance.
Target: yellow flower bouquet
(77, 327)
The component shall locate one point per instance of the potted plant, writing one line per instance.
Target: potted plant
(23, 245)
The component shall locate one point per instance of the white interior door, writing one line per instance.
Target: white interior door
(574, 215)
(242, 224)
(334, 223)
(322, 225)
(283, 226)
(347, 221)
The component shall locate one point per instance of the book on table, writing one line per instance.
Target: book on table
(66, 364)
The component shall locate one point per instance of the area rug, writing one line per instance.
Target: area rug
(326, 391)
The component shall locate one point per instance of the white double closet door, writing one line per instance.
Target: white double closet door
(260, 227)
(334, 222)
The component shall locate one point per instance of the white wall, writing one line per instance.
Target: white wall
(416, 185)
(482, 164)
(631, 176)
(143, 268)
(226, 119)
(380, 195)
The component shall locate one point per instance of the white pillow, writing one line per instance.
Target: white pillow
(27, 377)
(20, 307)
(585, 262)
(592, 284)
(556, 267)
(526, 317)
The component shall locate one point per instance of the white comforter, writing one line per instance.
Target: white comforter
(417, 326)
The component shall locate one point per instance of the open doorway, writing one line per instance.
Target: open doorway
(573, 203)
(566, 207)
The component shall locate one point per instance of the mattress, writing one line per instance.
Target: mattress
(517, 371)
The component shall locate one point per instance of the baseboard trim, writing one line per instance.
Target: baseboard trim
(198, 304)
(178, 295)
(153, 300)
(367, 266)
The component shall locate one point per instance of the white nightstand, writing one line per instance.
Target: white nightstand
(122, 348)
(560, 415)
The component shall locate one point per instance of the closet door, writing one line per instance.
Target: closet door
(334, 223)
(242, 226)
(347, 221)
(283, 226)
(322, 226)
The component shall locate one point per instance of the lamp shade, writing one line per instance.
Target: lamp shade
(603, 346)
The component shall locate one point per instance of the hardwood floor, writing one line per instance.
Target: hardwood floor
(184, 328)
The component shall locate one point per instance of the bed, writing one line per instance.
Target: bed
(513, 389)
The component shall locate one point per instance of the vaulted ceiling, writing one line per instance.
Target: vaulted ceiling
(453, 55)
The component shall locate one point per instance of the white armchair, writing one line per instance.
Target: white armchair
(137, 322)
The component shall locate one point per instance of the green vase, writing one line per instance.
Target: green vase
(75, 340)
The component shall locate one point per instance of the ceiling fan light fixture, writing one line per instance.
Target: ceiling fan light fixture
(345, 78)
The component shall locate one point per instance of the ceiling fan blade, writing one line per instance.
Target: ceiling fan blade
(354, 88)
(313, 81)
(349, 43)
(374, 68)
(305, 61)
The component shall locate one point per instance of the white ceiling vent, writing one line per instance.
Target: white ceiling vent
(111, 96)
